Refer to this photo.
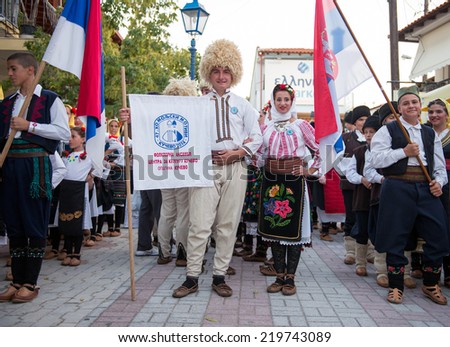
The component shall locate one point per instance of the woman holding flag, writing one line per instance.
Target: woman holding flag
(284, 218)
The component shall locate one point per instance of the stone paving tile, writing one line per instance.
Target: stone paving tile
(97, 293)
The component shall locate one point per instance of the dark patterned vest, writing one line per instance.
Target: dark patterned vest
(351, 142)
(361, 195)
(399, 141)
(38, 112)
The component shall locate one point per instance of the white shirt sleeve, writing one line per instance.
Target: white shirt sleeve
(252, 127)
(59, 169)
(439, 171)
(58, 129)
(369, 171)
(350, 172)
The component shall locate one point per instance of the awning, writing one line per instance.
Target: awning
(439, 93)
(433, 52)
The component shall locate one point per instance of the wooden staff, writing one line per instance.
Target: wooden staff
(397, 118)
(128, 187)
(24, 107)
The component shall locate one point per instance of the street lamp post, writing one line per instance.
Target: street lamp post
(194, 20)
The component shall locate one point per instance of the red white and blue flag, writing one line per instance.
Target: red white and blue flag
(76, 47)
(339, 67)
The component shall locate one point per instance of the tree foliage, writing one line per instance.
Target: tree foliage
(145, 52)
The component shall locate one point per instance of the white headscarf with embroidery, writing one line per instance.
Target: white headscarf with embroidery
(281, 117)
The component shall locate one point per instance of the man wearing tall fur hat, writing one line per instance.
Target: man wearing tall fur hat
(221, 205)
(408, 201)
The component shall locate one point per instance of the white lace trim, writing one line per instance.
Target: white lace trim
(303, 241)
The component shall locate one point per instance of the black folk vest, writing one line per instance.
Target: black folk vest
(38, 112)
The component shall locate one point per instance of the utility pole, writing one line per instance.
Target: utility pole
(425, 6)
(393, 37)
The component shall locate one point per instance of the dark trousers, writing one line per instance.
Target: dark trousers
(362, 221)
(350, 218)
(72, 244)
(26, 220)
(148, 215)
(408, 206)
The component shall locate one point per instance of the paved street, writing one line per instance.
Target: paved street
(97, 293)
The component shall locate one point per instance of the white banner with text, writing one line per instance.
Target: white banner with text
(171, 141)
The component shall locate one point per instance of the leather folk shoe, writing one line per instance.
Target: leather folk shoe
(267, 270)
(181, 262)
(435, 294)
(326, 237)
(417, 274)
(231, 271)
(164, 260)
(222, 289)
(395, 296)
(25, 294)
(8, 294)
(382, 281)
(409, 282)
(349, 260)
(183, 291)
(289, 287)
(276, 286)
(361, 271)
(255, 257)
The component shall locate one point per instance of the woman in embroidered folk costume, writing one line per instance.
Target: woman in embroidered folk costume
(74, 210)
(438, 117)
(27, 173)
(284, 218)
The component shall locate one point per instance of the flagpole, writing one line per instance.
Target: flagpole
(128, 187)
(391, 107)
(24, 107)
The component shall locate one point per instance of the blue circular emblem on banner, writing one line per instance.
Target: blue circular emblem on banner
(171, 131)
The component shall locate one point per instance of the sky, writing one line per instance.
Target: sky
(290, 24)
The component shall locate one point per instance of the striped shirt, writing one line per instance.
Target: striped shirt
(290, 140)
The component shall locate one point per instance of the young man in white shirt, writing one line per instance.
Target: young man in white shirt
(221, 205)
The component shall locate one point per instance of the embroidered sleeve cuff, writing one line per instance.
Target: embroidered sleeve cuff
(32, 127)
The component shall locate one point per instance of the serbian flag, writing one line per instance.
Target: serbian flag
(76, 47)
(339, 67)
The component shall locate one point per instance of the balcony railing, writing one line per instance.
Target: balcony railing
(9, 11)
(429, 86)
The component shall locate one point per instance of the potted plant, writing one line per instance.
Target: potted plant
(27, 17)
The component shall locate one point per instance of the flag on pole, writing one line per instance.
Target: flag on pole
(76, 47)
(339, 67)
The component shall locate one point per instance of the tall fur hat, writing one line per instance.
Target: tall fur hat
(181, 87)
(222, 53)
